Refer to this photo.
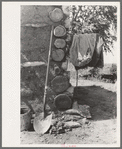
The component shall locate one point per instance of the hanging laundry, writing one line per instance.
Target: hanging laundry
(97, 58)
(86, 50)
(70, 66)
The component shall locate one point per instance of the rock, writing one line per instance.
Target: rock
(71, 89)
(61, 131)
(32, 64)
(71, 124)
(64, 65)
(36, 25)
(66, 10)
(83, 121)
(72, 111)
(84, 110)
(67, 74)
(71, 118)
(75, 105)
(54, 122)
(53, 130)
(60, 124)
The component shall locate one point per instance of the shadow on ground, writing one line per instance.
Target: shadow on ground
(101, 101)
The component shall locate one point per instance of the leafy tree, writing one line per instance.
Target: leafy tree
(95, 19)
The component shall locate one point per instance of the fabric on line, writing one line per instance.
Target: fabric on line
(86, 50)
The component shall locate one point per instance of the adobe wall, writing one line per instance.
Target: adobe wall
(35, 47)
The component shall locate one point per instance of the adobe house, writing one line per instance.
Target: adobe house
(36, 25)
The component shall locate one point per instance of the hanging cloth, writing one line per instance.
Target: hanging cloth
(86, 50)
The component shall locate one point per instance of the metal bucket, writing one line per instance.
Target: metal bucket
(25, 118)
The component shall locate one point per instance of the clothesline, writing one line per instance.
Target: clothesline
(86, 50)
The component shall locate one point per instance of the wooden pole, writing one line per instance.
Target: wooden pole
(45, 91)
(76, 78)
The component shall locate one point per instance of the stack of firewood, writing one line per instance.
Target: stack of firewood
(62, 38)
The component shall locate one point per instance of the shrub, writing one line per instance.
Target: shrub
(113, 69)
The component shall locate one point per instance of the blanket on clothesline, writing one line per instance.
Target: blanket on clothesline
(86, 50)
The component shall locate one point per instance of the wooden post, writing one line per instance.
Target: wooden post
(76, 77)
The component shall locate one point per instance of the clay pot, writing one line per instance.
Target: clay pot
(25, 118)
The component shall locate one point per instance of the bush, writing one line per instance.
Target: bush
(113, 69)
(107, 74)
(95, 72)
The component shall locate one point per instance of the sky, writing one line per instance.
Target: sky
(111, 57)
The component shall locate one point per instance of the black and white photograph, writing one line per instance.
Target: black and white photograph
(68, 70)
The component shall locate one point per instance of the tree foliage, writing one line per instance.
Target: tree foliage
(96, 19)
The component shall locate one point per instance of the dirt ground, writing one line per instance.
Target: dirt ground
(102, 129)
